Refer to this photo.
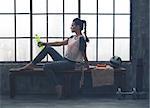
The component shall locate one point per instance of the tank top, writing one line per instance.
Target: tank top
(73, 52)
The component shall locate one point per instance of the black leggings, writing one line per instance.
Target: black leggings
(59, 63)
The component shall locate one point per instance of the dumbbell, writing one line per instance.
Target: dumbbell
(121, 94)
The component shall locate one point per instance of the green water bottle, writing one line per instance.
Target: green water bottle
(37, 38)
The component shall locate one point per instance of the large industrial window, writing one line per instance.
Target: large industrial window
(108, 27)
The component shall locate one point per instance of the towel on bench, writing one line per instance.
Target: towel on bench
(102, 76)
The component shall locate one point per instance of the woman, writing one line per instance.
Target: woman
(76, 52)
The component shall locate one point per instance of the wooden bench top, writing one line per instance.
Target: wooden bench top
(19, 70)
(40, 70)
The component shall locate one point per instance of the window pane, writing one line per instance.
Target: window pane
(23, 49)
(7, 6)
(91, 24)
(7, 50)
(88, 6)
(36, 49)
(55, 6)
(55, 25)
(71, 6)
(122, 48)
(59, 49)
(23, 25)
(105, 25)
(6, 26)
(39, 6)
(122, 6)
(68, 22)
(22, 6)
(105, 49)
(39, 25)
(105, 6)
(122, 26)
(91, 50)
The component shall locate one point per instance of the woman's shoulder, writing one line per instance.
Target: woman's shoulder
(82, 38)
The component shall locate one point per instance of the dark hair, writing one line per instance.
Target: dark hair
(82, 24)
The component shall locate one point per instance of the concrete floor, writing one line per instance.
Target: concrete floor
(38, 101)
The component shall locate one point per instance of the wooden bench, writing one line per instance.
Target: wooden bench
(119, 75)
(13, 73)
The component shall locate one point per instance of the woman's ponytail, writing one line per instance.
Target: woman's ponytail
(84, 23)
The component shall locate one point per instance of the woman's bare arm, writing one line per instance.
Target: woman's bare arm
(85, 59)
(56, 43)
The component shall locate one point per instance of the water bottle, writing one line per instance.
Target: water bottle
(37, 38)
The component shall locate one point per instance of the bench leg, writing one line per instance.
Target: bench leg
(12, 85)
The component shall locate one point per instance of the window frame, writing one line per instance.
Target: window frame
(79, 14)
